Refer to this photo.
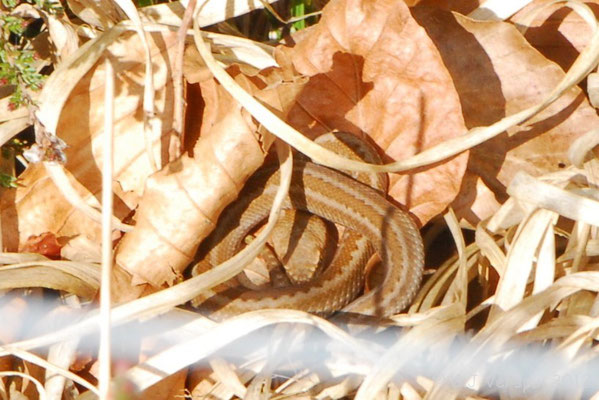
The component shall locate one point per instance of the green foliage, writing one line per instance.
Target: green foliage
(18, 71)
(16, 57)
(12, 24)
(145, 3)
(290, 17)
(298, 9)
(8, 181)
(10, 4)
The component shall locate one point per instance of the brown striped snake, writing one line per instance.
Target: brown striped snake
(372, 222)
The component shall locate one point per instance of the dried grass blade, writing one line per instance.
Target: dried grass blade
(104, 352)
(506, 325)
(184, 354)
(26, 377)
(226, 374)
(435, 287)
(497, 332)
(32, 358)
(490, 250)
(582, 146)
(436, 332)
(42, 276)
(570, 205)
(544, 270)
(520, 260)
(458, 291)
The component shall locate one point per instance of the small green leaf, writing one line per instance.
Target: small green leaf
(8, 181)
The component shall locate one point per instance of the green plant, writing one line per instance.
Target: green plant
(19, 71)
(17, 57)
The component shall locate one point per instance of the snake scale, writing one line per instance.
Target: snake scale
(372, 222)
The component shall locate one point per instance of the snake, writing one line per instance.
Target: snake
(372, 224)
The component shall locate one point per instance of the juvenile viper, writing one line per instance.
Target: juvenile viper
(373, 224)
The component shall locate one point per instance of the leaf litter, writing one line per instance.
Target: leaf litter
(479, 117)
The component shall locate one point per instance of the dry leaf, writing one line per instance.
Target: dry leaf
(63, 36)
(82, 249)
(373, 71)
(37, 206)
(461, 6)
(182, 202)
(45, 244)
(557, 31)
(354, 67)
(97, 13)
(497, 73)
(170, 388)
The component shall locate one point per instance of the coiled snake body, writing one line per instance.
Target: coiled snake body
(372, 222)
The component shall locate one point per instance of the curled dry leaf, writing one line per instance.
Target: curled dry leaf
(375, 72)
(182, 202)
(63, 36)
(37, 206)
(497, 73)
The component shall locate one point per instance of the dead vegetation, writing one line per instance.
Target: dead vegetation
(484, 117)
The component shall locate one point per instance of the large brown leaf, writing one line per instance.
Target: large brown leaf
(555, 30)
(375, 72)
(497, 73)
